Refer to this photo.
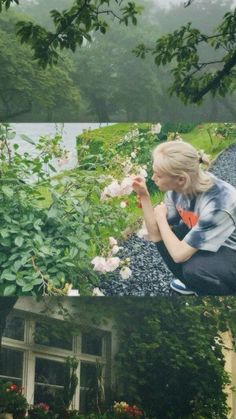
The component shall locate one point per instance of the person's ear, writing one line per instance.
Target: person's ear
(181, 180)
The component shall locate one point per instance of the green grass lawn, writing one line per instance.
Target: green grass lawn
(202, 137)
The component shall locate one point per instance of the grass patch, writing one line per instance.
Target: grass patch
(112, 134)
(202, 137)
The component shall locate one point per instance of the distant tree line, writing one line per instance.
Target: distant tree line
(103, 80)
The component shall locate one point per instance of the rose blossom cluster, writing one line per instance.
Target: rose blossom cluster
(125, 187)
(75, 293)
(118, 189)
(130, 135)
(122, 408)
(42, 406)
(14, 388)
(155, 128)
(111, 262)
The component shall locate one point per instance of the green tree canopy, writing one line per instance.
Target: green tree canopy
(73, 26)
(202, 62)
(25, 87)
(193, 76)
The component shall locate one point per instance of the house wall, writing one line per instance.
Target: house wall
(30, 306)
(31, 310)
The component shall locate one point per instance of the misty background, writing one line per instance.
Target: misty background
(104, 81)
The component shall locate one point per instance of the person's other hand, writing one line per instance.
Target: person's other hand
(140, 187)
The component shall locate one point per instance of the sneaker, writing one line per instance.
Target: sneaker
(179, 287)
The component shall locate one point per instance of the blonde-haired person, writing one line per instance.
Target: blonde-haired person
(195, 227)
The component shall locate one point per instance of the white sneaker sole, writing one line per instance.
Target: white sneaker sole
(184, 292)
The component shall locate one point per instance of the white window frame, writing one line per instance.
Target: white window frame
(32, 350)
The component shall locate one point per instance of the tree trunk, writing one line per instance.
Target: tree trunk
(101, 109)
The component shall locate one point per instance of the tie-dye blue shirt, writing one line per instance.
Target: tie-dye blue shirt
(211, 216)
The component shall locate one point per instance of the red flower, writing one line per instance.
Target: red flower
(43, 406)
(14, 387)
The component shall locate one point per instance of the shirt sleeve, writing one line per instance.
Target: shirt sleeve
(173, 216)
(211, 231)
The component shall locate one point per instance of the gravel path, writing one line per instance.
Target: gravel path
(149, 274)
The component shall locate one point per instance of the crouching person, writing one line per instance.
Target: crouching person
(195, 227)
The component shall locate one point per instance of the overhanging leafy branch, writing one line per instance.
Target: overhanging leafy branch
(73, 26)
(193, 78)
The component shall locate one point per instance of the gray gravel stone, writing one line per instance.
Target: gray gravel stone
(150, 275)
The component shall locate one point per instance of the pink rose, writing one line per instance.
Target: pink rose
(99, 263)
(112, 264)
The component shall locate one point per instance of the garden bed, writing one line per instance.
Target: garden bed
(52, 228)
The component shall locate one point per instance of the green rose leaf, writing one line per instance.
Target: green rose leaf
(19, 241)
(10, 290)
(8, 191)
(27, 287)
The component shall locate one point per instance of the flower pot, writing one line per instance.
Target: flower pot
(6, 416)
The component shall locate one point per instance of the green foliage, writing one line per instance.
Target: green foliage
(227, 131)
(193, 75)
(25, 87)
(111, 148)
(180, 127)
(11, 398)
(7, 3)
(71, 381)
(108, 148)
(52, 226)
(40, 411)
(72, 27)
(44, 247)
(103, 80)
(108, 136)
(170, 357)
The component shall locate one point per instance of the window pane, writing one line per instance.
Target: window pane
(14, 328)
(49, 372)
(88, 374)
(49, 381)
(11, 365)
(88, 386)
(55, 334)
(48, 394)
(92, 344)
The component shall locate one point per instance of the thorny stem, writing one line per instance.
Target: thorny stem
(4, 139)
(45, 284)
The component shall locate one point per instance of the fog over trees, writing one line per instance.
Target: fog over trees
(104, 80)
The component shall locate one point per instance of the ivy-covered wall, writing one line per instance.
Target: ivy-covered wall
(170, 359)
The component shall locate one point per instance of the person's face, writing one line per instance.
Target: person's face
(167, 182)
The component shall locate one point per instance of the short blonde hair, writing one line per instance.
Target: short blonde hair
(179, 158)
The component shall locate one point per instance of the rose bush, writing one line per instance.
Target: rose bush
(53, 225)
(12, 400)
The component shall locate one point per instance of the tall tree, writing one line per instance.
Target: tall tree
(26, 89)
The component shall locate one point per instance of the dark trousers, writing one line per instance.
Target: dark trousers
(206, 273)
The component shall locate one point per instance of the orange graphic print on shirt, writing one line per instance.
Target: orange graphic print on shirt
(189, 218)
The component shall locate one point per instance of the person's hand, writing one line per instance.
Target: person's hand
(160, 211)
(140, 187)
